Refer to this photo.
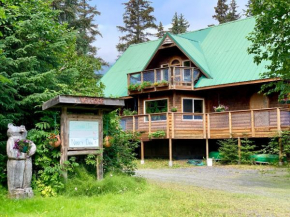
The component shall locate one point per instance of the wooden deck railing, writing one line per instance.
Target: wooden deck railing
(177, 77)
(230, 124)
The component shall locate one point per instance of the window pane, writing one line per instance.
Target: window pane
(187, 75)
(157, 106)
(165, 74)
(196, 74)
(198, 106)
(135, 79)
(187, 105)
(148, 76)
(186, 63)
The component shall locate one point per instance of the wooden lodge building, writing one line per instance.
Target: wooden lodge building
(175, 82)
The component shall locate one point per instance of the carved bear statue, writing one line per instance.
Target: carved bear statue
(19, 165)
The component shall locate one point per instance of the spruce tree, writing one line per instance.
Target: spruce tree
(138, 18)
(221, 11)
(175, 24)
(160, 31)
(248, 12)
(179, 24)
(183, 24)
(233, 14)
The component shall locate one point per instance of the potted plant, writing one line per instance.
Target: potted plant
(220, 108)
(174, 109)
(54, 140)
(134, 87)
(23, 146)
(108, 142)
(159, 134)
(156, 84)
(163, 83)
(146, 85)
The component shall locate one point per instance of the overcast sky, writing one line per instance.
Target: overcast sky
(197, 12)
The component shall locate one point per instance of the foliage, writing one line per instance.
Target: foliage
(157, 134)
(133, 87)
(174, 109)
(156, 106)
(271, 42)
(247, 150)
(47, 171)
(120, 156)
(145, 84)
(273, 146)
(228, 151)
(85, 184)
(160, 31)
(248, 11)
(128, 112)
(137, 20)
(80, 15)
(179, 24)
(164, 82)
(22, 145)
(221, 108)
(233, 14)
(221, 11)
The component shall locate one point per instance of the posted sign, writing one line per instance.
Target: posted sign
(83, 134)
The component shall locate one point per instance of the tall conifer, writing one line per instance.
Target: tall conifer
(138, 19)
(175, 24)
(233, 14)
(179, 24)
(248, 12)
(160, 31)
(183, 24)
(221, 11)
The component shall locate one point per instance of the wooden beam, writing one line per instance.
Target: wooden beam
(239, 149)
(280, 152)
(134, 124)
(230, 124)
(63, 136)
(99, 166)
(208, 126)
(253, 123)
(192, 81)
(172, 124)
(174, 98)
(170, 153)
(167, 125)
(207, 148)
(279, 121)
(142, 152)
(204, 126)
(149, 119)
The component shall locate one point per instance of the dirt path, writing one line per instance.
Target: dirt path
(271, 182)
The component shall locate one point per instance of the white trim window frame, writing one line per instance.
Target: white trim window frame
(193, 117)
(144, 109)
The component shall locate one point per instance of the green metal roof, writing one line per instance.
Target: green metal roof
(219, 51)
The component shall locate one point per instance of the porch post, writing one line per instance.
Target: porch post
(142, 152)
(239, 149)
(280, 152)
(170, 153)
(206, 148)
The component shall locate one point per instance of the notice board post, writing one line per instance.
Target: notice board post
(81, 128)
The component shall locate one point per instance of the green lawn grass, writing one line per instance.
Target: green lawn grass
(152, 199)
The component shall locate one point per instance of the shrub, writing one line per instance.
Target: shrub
(247, 149)
(128, 112)
(228, 151)
(157, 134)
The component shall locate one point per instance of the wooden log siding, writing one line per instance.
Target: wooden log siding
(250, 123)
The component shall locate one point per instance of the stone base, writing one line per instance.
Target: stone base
(21, 193)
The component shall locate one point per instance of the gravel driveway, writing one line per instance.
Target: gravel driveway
(271, 182)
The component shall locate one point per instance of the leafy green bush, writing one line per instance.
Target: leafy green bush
(120, 156)
(85, 184)
(128, 112)
(157, 134)
(228, 151)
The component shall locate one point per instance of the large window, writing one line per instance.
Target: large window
(192, 106)
(156, 106)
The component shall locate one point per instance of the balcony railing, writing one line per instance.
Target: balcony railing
(230, 124)
(171, 77)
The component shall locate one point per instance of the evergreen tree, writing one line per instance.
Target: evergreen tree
(175, 24)
(183, 24)
(160, 31)
(179, 24)
(221, 11)
(233, 14)
(138, 18)
(248, 11)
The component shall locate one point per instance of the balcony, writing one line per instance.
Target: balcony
(159, 79)
(257, 123)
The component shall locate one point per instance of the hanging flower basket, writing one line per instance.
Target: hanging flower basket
(221, 108)
(107, 142)
(54, 141)
(23, 146)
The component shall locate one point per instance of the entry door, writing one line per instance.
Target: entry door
(259, 101)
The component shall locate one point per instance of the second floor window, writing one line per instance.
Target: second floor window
(156, 106)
